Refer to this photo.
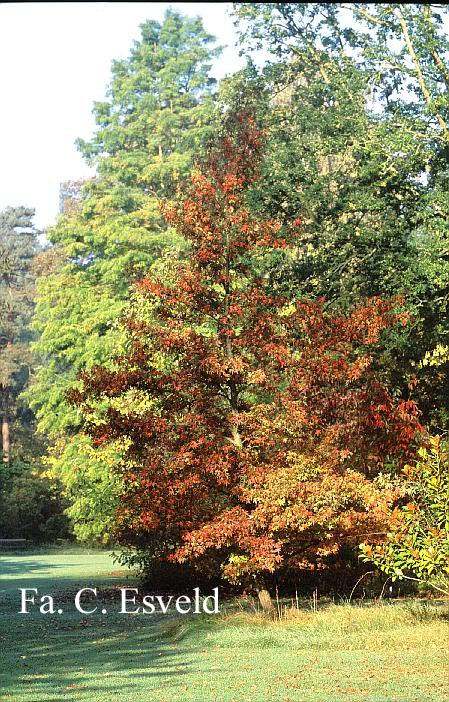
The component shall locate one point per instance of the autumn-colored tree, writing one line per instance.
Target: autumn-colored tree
(251, 426)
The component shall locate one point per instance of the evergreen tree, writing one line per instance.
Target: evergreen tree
(18, 246)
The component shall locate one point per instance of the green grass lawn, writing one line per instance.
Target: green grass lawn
(342, 653)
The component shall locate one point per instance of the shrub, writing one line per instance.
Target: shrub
(417, 545)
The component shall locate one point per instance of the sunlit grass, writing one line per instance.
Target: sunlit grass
(387, 652)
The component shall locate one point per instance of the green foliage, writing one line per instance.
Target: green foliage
(357, 122)
(32, 504)
(18, 246)
(33, 508)
(90, 485)
(401, 48)
(158, 109)
(350, 172)
(158, 112)
(417, 544)
(354, 105)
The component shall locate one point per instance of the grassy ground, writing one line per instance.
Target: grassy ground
(342, 653)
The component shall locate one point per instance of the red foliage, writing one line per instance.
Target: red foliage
(268, 420)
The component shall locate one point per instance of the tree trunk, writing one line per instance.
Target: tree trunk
(265, 600)
(6, 439)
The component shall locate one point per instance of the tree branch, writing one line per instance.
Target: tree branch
(419, 74)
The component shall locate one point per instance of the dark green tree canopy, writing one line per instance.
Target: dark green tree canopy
(18, 246)
(357, 117)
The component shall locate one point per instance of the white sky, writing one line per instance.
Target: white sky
(55, 62)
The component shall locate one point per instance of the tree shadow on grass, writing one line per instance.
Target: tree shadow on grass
(95, 660)
(56, 577)
(90, 658)
(17, 566)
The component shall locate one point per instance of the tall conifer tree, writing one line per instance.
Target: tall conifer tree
(18, 245)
